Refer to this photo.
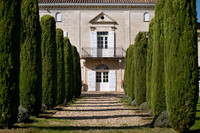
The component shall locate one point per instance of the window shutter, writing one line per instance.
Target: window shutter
(91, 81)
(93, 43)
(112, 80)
(111, 43)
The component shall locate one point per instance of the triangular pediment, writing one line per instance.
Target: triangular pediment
(103, 18)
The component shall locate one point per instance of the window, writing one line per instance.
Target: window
(102, 77)
(98, 78)
(102, 40)
(105, 77)
(146, 17)
(58, 16)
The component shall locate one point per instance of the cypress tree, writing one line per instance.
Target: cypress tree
(158, 103)
(132, 73)
(181, 62)
(49, 63)
(129, 75)
(79, 75)
(60, 66)
(9, 58)
(126, 73)
(30, 58)
(149, 63)
(76, 71)
(140, 68)
(68, 60)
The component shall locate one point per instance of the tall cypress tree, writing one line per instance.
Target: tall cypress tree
(49, 61)
(129, 73)
(68, 60)
(132, 72)
(140, 67)
(149, 63)
(9, 58)
(30, 58)
(60, 66)
(158, 103)
(76, 65)
(181, 62)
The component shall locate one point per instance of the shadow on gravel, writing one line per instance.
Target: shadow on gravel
(89, 128)
(92, 117)
(91, 110)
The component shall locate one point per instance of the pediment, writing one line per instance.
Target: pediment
(103, 18)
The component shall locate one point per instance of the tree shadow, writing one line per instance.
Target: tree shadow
(85, 128)
(92, 117)
(91, 110)
(97, 105)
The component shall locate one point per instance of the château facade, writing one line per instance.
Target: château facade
(101, 30)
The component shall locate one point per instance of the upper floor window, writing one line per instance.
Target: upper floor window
(146, 17)
(102, 40)
(58, 16)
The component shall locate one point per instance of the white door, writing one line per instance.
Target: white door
(112, 80)
(102, 44)
(102, 81)
(91, 81)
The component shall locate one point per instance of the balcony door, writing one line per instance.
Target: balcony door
(102, 44)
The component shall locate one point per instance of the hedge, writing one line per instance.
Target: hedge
(181, 62)
(9, 58)
(140, 55)
(49, 63)
(69, 77)
(76, 71)
(158, 103)
(30, 58)
(149, 63)
(60, 66)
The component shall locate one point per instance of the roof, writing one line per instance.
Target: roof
(100, 1)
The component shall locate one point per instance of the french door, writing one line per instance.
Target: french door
(102, 81)
(102, 44)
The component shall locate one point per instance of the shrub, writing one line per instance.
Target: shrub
(158, 103)
(161, 120)
(30, 58)
(9, 58)
(181, 62)
(60, 67)
(68, 60)
(23, 115)
(49, 63)
(140, 68)
(143, 106)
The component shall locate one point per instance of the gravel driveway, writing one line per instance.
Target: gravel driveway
(102, 109)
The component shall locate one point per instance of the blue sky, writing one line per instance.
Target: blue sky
(198, 10)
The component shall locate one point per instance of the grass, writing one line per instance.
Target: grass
(196, 126)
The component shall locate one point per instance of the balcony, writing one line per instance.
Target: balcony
(102, 53)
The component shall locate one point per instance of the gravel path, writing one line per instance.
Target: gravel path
(102, 109)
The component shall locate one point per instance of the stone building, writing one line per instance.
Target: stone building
(101, 30)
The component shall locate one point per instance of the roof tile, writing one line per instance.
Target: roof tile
(97, 1)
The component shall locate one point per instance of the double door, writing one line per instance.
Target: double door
(102, 81)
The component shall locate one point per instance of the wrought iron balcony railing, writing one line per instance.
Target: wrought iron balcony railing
(103, 53)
